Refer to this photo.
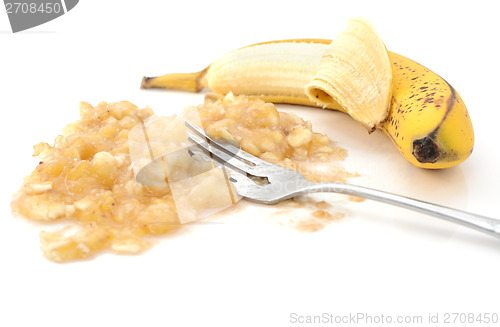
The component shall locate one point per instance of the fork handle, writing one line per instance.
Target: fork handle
(480, 223)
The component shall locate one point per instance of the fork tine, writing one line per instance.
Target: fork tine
(244, 185)
(253, 178)
(219, 156)
(241, 155)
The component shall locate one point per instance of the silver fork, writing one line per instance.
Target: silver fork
(260, 181)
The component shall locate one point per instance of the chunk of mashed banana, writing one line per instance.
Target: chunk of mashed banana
(88, 177)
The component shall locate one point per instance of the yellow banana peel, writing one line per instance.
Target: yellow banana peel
(418, 110)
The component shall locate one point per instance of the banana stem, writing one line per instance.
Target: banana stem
(191, 82)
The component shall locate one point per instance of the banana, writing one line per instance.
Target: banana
(427, 120)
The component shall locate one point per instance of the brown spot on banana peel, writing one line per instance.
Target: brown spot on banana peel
(425, 150)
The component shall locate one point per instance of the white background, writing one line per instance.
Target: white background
(247, 270)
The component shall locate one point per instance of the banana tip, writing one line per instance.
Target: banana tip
(144, 82)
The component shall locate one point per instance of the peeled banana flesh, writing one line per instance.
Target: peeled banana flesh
(418, 110)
